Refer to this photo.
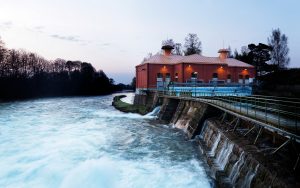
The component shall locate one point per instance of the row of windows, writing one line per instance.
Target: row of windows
(195, 75)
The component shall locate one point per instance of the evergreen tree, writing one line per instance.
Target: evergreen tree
(259, 54)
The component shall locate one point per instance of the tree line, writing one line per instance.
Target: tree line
(25, 75)
(265, 57)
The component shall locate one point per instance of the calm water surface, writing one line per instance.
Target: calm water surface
(84, 142)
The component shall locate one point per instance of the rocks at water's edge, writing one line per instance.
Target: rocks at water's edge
(125, 107)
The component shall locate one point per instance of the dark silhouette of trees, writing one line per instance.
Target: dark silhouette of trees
(280, 50)
(133, 83)
(192, 44)
(25, 75)
(177, 49)
(256, 55)
(259, 54)
(243, 56)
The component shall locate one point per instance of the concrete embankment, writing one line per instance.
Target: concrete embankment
(234, 159)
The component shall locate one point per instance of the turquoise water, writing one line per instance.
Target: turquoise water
(85, 142)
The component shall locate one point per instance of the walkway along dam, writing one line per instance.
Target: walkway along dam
(248, 141)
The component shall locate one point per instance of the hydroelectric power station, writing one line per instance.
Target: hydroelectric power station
(247, 140)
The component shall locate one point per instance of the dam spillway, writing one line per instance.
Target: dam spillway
(239, 153)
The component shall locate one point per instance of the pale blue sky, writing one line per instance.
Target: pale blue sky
(115, 35)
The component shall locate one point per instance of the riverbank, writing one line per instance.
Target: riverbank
(126, 107)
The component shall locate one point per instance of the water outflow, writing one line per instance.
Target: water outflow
(154, 112)
(206, 133)
(203, 130)
(215, 145)
(223, 156)
(235, 170)
(249, 177)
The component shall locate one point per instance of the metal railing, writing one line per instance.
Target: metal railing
(219, 83)
(279, 112)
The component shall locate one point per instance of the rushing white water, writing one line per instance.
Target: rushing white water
(203, 130)
(85, 142)
(235, 170)
(249, 177)
(129, 98)
(154, 112)
(215, 145)
(224, 154)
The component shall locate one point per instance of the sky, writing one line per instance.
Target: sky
(115, 35)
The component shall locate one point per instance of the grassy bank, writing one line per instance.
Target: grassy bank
(125, 107)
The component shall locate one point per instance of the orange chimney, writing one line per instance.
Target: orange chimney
(223, 53)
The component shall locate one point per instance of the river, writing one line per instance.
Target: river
(84, 142)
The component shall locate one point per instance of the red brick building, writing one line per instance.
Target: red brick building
(161, 69)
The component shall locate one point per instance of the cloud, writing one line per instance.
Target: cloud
(6, 25)
(37, 29)
(67, 38)
(40, 27)
(71, 38)
(103, 44)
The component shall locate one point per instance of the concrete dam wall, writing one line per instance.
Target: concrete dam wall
(233, 159)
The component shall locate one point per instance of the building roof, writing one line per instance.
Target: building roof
(231, 62)
(199, 59)
(195, 58)
(162, 59)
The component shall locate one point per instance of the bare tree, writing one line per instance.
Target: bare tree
(230, 55)
(24, 74)
(178, 49)
(59, 65)
(280, 50)
(13, 62)
(192, 44)
(3, 53)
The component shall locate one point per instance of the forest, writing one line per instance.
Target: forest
(27, 75)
